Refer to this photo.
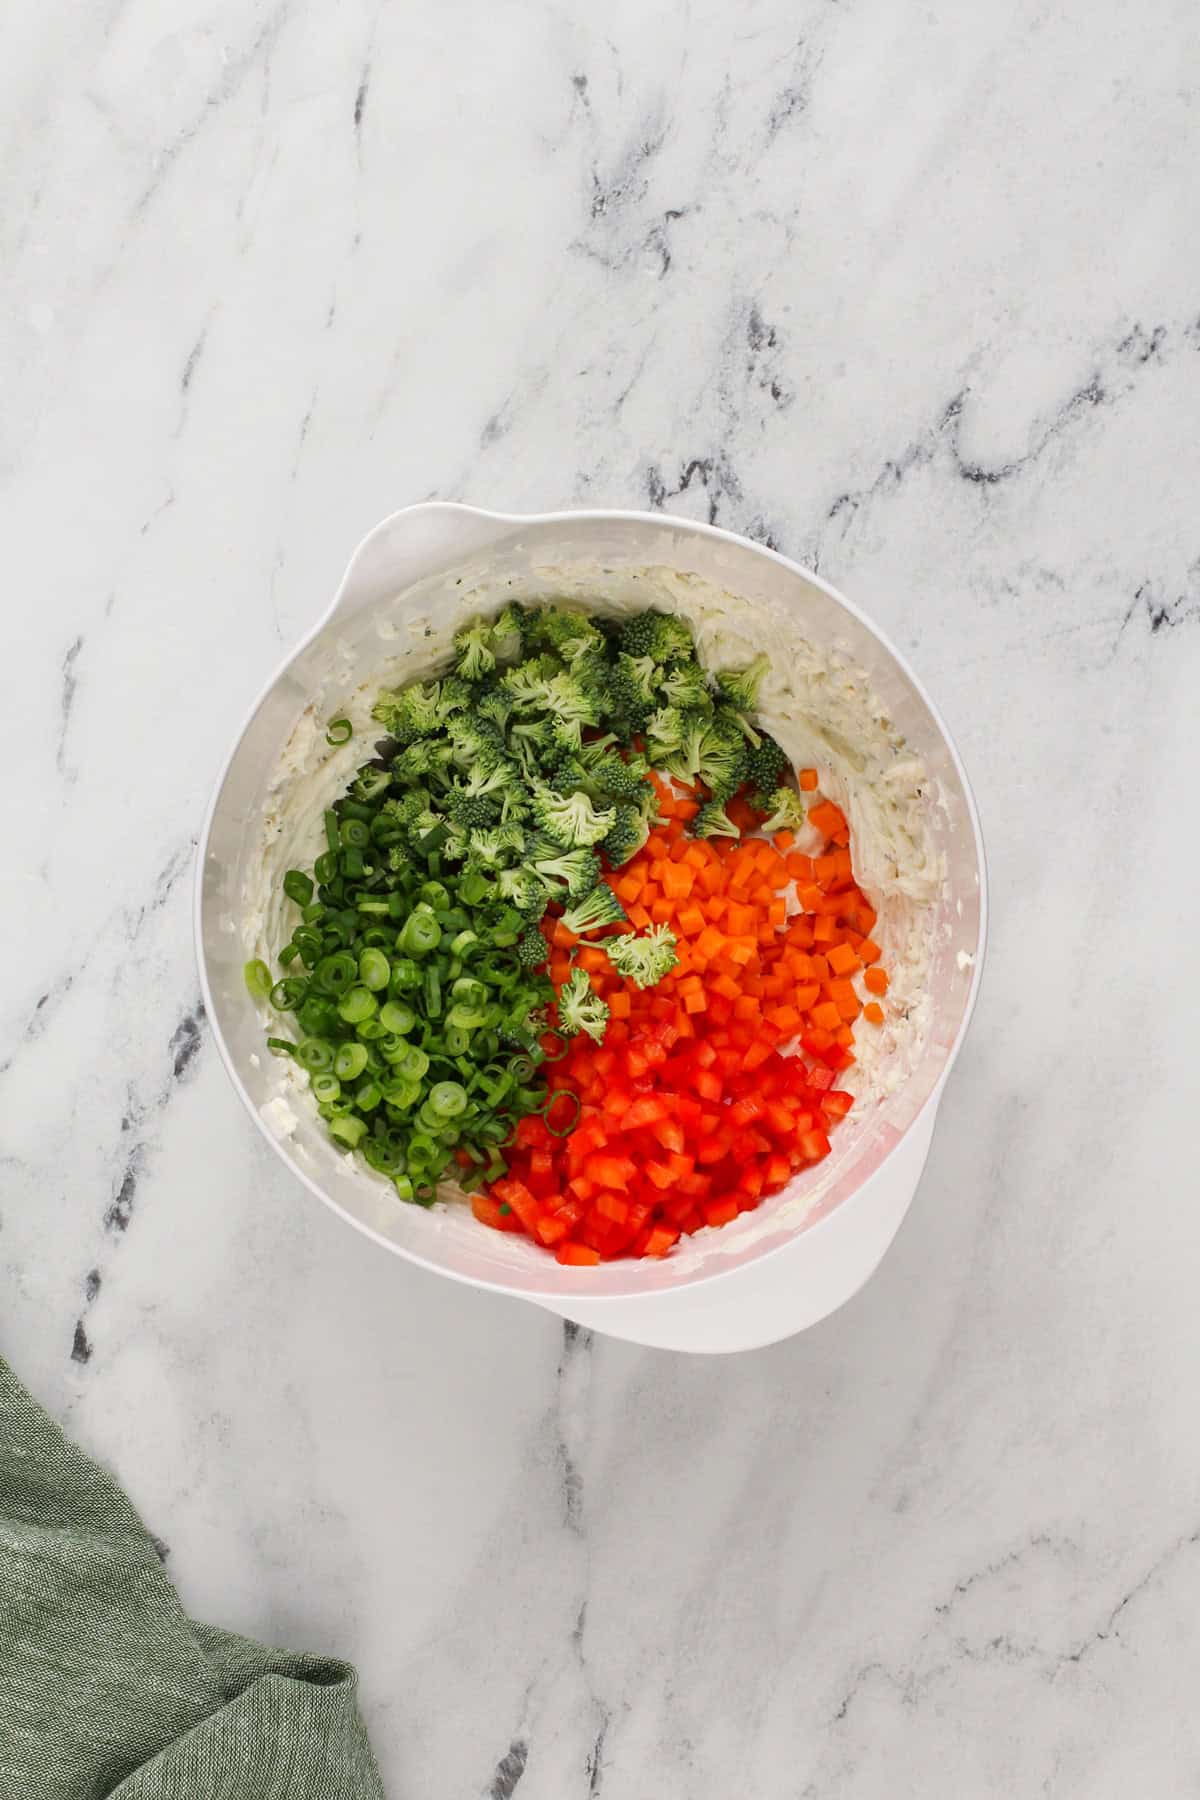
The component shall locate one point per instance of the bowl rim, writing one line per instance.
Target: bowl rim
(575, 1285)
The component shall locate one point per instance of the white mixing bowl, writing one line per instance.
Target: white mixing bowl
(770, 1273)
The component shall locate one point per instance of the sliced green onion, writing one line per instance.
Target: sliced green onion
(315, 1054)
(354, 834)
(368, 1095)
(339, 732)
(281, 1046)
(562, 1130)
(350, 1061)
(348, 1130)
(258, 978)
(336, 973)
(356, 1004)
(421, 934)
(326, 1088)
(374, 970)
(413, 1065)
(447, 1099)
(298, 886)
(288, 994)
(394, 1016)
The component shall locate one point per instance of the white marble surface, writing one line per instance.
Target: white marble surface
(913, 291)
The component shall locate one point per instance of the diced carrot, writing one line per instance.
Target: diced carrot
(873, 1012)
(875, 981)
(842, 959)
(826, 1015)
(808, 780)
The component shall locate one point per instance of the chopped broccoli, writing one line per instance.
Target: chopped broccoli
(579, 1009)
(600, 907)
(457, 843)
(578, 871)
(495, 706)
(722, 761)
(404, 812)
(641, 673)
(740, 686)
(567, 775)
(522, 889)
(529, 683)
(457, 694)
(786, 809)
(569, 697)
(713, 821)
(644, 959)
(399, 860)
(532, 742)
(420, 759)
(660, 635)
(664, 733)
(411, 712)
(596, 748)
(495, 846)
(474, 656)
(685, 684)
(471, 811)
(685, 761)
(569, 634)
(570, 818)
(626, 836)
(531, 948)
(508, 632)
(617, 777)
(476, 743)
(567, 735)
(765, 763)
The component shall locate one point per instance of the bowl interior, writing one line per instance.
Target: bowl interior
(739, 597)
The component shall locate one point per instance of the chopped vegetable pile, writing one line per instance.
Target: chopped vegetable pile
(560, 944)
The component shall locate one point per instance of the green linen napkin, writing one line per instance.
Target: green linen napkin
(108, 1689)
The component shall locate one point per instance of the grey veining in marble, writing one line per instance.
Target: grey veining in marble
(912, 292)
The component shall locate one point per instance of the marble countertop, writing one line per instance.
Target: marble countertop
(912, 293)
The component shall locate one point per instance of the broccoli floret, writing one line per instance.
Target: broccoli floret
(664, 733)
(626, 837)
(567, 775)
(685, 761)
(496, 846)
(474, 656)
(457, 695)
(529, 683)
(685, 684)
(532, 743)
(531, 948)
(457, 843)
(404, 812)
(765, 763)
(411, 712)
(476, 743)
(419, 760)
(740, 686)
(566, 735)
(713, 821)
(495, 706)
(508, 632)
(421, 708)
(600, 907)
(570, 634)
(522, 889)
(786, 809)
(596, 749)
(571, 819)
(569, 697)
(660, 635)
(641, 673)
(617, 777)
(576, 871)
(722, 756)
(471, 811)
(644, 959)
(399, 860)
(579, 1009)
